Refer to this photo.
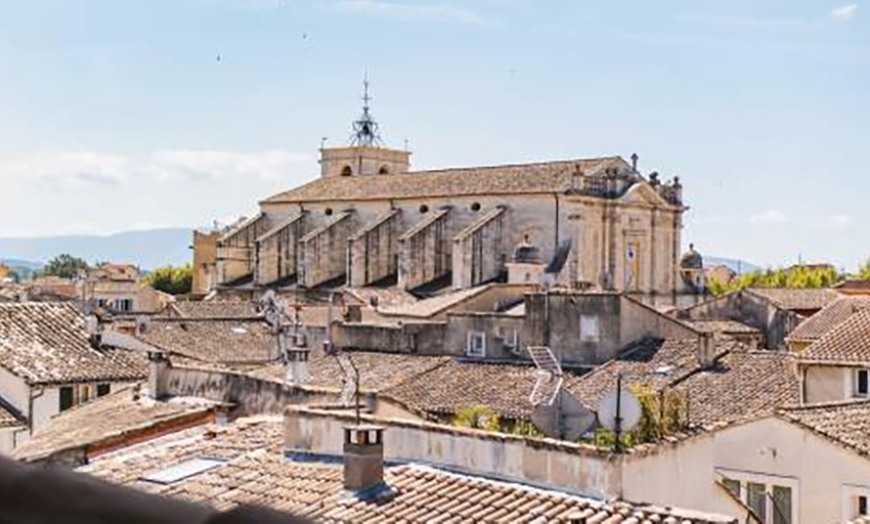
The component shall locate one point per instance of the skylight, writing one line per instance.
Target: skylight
(238, 330)
(183, 470)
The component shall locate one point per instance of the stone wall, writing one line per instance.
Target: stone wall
(410, 337)
(276, 252)
(374, 250)
(424, 250)
(504, 337)
(479, 251)
(575, 468)
(323, 251)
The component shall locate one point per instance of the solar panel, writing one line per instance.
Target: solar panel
(183, 470)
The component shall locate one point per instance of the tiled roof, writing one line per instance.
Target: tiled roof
(724, 327)
(853, 285)
(545, 177)
(655, 363)
(743, 384)
(105, 420)
(429, 307)
(847, 423)
(212, 309)
(256, 472)
(46, 343)
(829, 317)
(377, 371)
(847, 343)
(504, 388)
(225, 341)
(797, 299)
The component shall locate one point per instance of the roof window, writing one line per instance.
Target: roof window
(186, 469)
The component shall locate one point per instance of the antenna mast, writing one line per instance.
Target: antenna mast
(365, 129)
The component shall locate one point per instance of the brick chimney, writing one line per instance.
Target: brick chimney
(158, 374)
(706, 350)
(363, 458)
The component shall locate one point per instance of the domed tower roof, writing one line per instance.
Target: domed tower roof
(692, 259)
(526, 252)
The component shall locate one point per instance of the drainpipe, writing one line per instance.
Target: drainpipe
(31, 398)
(556, 234)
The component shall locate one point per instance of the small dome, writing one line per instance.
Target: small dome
(692, 259)
(527, 253)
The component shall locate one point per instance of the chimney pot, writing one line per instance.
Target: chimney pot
(363, 457)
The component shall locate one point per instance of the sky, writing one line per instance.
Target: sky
(119, 115)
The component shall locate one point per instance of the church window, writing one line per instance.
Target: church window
(346, 171)
(328, 211)
(475, 206)
(384, 170)
(424, 208)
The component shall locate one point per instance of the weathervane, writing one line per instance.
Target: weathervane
(365, 130)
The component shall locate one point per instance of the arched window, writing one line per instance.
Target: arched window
(424, 208)
(346, 171)
(384, 170)
(475, 206)
(328, 211)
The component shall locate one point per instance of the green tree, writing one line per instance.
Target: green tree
(793, 277)
(477, 417)
(64, 266)
(864, 271)
(172, 280)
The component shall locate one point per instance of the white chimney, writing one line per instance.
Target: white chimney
(706, 350)
(158, 374)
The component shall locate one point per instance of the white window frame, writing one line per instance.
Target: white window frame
(769, 482)
(471, 347)
(116, 305)
(590, 328)
(851, 493)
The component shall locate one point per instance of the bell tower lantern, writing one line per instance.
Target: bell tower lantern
(365, 156)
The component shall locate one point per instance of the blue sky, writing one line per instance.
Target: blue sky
(134, 114)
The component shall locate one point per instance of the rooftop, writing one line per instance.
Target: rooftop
(110, 420)
(828, 318)
(797, 299)
(724, 327)
(847, 343)
(213, 309)
(846, 423)
(377, 371)
(543, 177)
(46, 343)
(226, 341)
(248, 467)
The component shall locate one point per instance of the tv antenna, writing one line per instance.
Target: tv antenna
(557, 413)
(350, 373)
(292, 345)
(619, 411)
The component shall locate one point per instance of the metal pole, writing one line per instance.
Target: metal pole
(617, 421)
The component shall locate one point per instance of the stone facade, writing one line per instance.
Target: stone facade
(382, 222)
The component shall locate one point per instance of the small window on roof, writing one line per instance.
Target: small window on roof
(384, 170)
(346, 171)
(238, 330)
(184, 470)
(328, 211)
(424, 208)
(475, 206)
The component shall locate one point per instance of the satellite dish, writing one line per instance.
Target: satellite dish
(564, 419)
(623, 403)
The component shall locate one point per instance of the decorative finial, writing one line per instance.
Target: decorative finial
(365, 130)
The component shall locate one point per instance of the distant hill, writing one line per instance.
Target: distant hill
(738, 266)
(149, 249)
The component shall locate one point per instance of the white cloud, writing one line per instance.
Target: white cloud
(844, 12)
(413, 11)
(62, 170)
(771, 216)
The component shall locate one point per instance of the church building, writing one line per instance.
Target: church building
(371, 220)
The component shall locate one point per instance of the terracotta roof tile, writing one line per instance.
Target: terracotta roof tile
(105, 419)
(222, 341)
(829, 317)
(797, 299)
(46, 343)
(846, 423)
(257, 472)
(847, 343)
(545, 177)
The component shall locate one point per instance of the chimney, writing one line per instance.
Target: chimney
(297, 365)
(363, 457)
(706, 350)
(222, 415)
(634, 159)
(158, 374)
